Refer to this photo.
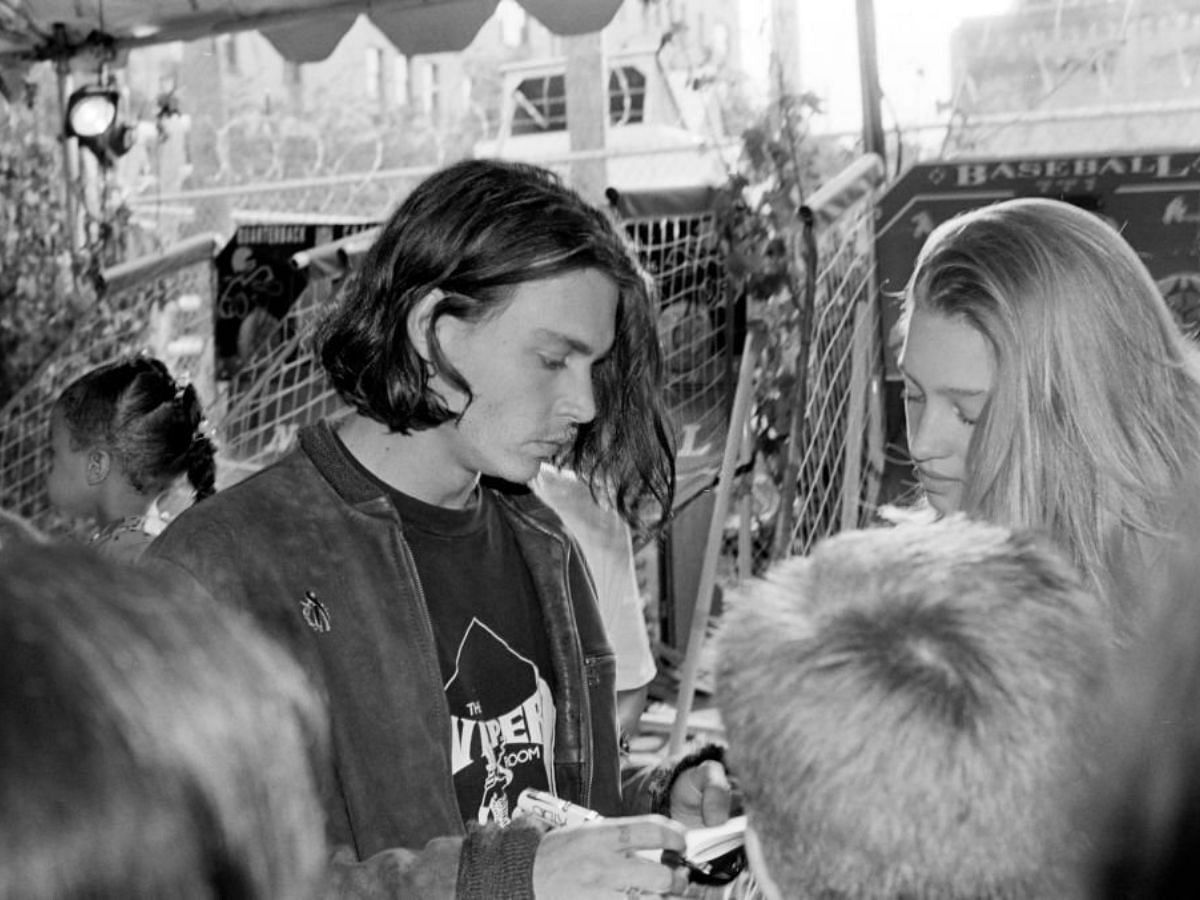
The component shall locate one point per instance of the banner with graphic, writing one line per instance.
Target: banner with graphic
(1152, 198)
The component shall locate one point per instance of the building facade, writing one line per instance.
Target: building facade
(1077, 76)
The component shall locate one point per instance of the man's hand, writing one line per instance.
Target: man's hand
(701, 796)
(600, 860)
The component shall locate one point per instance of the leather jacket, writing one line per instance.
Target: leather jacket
(315, 551)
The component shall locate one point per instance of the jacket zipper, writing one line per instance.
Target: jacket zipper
(585, 703)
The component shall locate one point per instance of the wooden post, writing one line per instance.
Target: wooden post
(745, 539)
(587, 113)
(852, 452)
(742, 406)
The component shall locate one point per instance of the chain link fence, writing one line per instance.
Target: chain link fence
(841, 454)
(161, 218)
(281, 387)
(163, 305)
(827, 475)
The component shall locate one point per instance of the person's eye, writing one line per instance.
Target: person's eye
(965, 419)
(553, 362)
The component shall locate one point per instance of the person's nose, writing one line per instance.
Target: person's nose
(579, 398)
(928, 433)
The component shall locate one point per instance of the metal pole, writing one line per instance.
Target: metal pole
(63, 70)
(868, 69)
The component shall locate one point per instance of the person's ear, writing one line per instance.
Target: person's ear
(422, 325)
(420, 317)
(99, 463)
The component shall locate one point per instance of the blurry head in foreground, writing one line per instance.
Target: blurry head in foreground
(905, 709)
(150, 744)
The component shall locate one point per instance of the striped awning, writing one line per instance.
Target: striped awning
(302, 30)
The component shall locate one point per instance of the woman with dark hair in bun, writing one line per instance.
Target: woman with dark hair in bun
(122, 436)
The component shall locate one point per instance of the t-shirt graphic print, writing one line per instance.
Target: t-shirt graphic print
(502, 728)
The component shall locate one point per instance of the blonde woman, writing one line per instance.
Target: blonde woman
(1047, 385)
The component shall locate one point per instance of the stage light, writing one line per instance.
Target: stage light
(91, 118)
(91, 111)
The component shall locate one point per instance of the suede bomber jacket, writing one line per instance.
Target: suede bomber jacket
(315, 552)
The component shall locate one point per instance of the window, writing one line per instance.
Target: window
(427, 87)
(373, 66)
(626, 96)
(434, 100)
(400, 81)
(231, 54)
(540, 102)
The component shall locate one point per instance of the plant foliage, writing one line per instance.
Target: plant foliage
(35, 261)
(760, 223)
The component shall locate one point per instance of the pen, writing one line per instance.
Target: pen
(553, 810)
(675, 859)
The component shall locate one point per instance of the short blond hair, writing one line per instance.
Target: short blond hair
(905, 708)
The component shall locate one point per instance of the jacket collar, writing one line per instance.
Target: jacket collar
(329, 455)
(333, 461)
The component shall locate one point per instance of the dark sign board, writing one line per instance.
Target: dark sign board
(1152, 197)
(257, 284)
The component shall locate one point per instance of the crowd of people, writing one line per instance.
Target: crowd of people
(337, 677)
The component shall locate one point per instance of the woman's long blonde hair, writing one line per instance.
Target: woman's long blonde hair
(1094, 418)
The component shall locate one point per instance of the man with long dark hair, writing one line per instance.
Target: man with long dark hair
(497, 322)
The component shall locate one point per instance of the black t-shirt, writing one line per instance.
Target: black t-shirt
(493, 650)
